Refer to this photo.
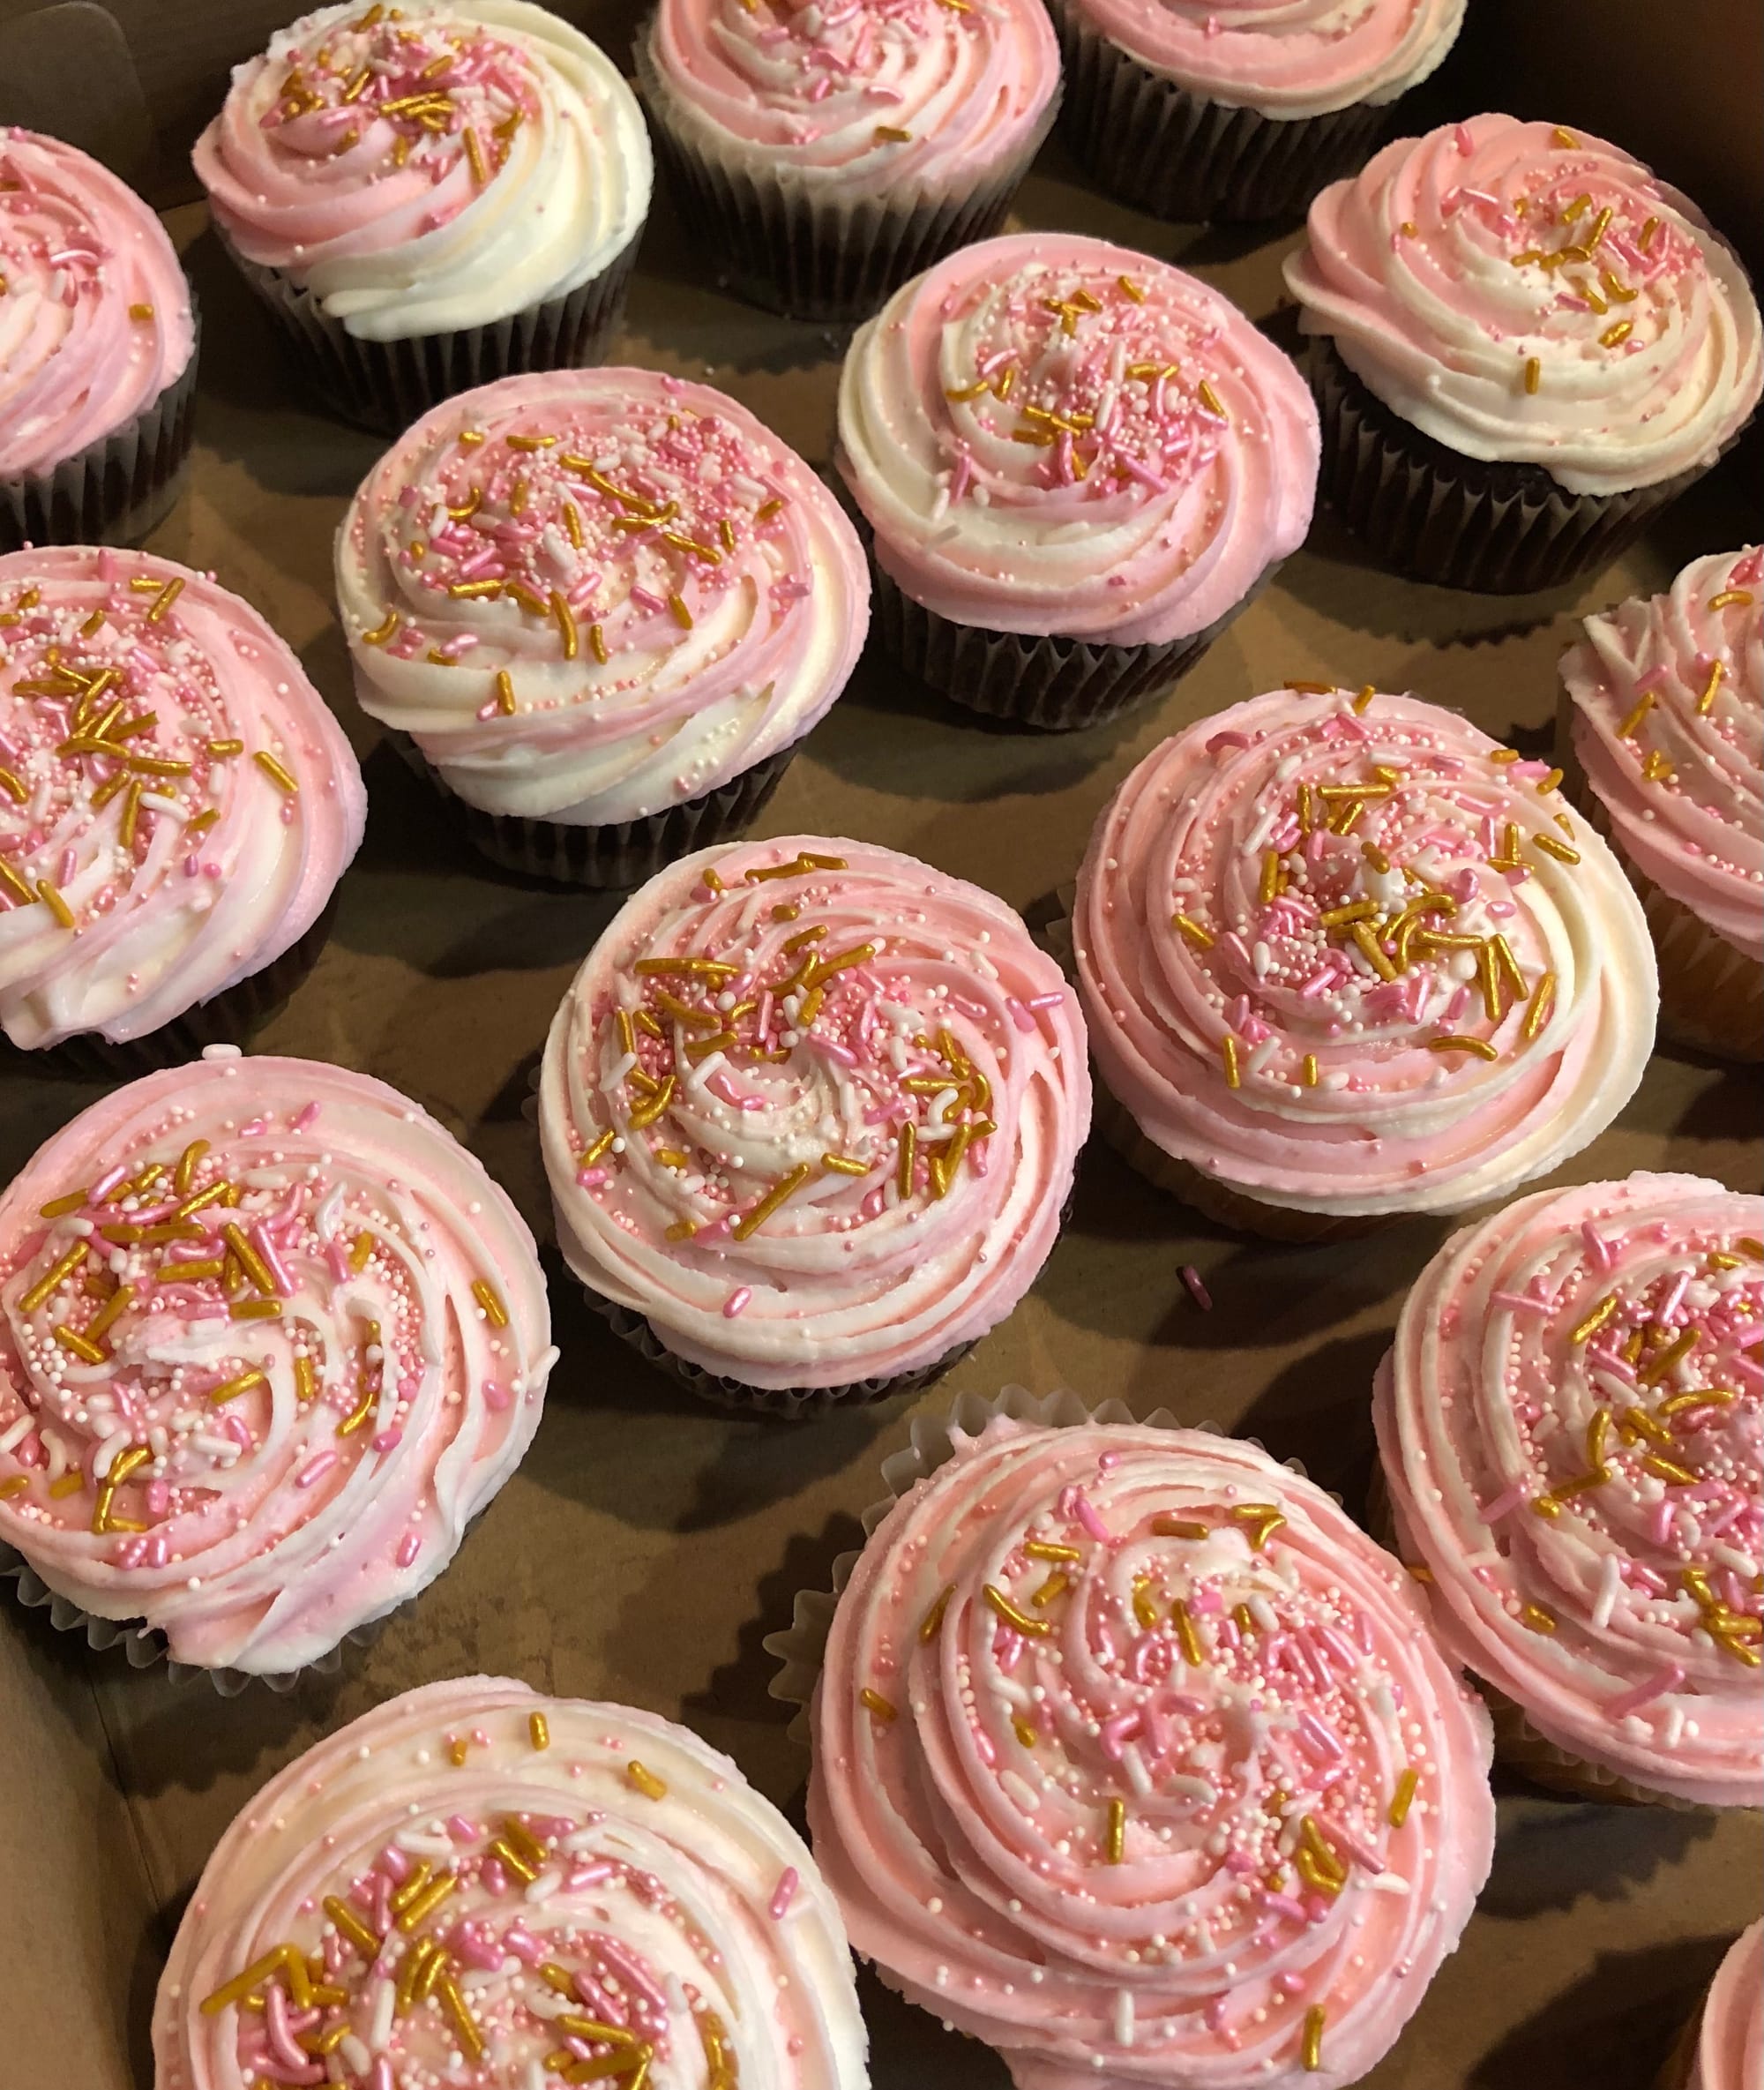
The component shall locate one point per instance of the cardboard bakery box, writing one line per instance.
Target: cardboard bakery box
(648, 1543)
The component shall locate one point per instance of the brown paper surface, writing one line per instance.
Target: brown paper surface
(647, 1543)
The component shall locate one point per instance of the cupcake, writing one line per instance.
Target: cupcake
(1076, 465)
(1724, 2048)
(606, 606)
(1136, 1760)
(1194, 110)
(176, 806)
(1569, 1425)
(823, 155)
(810, 1114)
(98, 338)
(1526, 346)
(1661, 734)
(476, 1882)
(1344, 957)
(429, 196)
(276, 1339)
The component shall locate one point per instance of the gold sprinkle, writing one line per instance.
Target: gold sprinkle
(786, 1188)
(892, 134)
(276, 774)
(874, 1702)
(79, 1345)
(158, 609)
(1731, 598)
(1717, 675)
(1614, 337)
(1187, 1633)
(474, 153)
(565, 619)
(1669, 1471)
(646, 1781)
(1312, 2051)
(1401, 1800)
(908, 1155)
(843, 1165)
(1663, 1360)
(681, 614)
(1115, 1835)
(1210, 399)
(1034, 1629)
(1192, 930)
(1537, 1618)
(934, 1618)
(1479, 1046)
(1566, 140)
(1130, 288)
(490, 1300)
(50, 897)
(59, 1207)
(1228, 1053)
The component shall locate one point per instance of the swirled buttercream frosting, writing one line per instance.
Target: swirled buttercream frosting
(479, 1885)
(429, 167)
(1349, 955)
(1528, 294)
(1570, 1423)
(1668, 725)
(176, 802)
(1053, 434)
(590, 594)
(813, 1108)
(1728, 2054)
(1133, 1758)
(270, 1340)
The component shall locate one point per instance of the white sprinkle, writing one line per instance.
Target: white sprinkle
(1610, 1581)
(1123, 2017)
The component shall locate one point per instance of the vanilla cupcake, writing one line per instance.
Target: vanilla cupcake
(1344, 957)
(98, 339)
(810, 1114)
(606, 606)
(430, 195)
(824, 155)
(176, 807)
(1076, 465)
(477, 1881)
(275, 1339)
(1724, 2046)
(1663, 736)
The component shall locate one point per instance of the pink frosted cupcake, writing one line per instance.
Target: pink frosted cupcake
(1569, 1424)
(1663, 731)
(429, 196)
(810, 1114)
(176, 807)
(1724, 2046)
(1194, 110)
(98, 341)
(1344, 957)
(1076, 465)
(826, 154)
(275, 1339)
(607, 607)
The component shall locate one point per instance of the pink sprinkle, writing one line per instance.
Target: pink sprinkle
(1018, 1014)
(525, 1946)
(590, 1178)
(1467, 145)
(1197, 1288)
(408, 1548)
(1504, 1504)
(388, 1440)
(1656, 1686)
(1117, 1731)
(784, 1894)
(497, 1396)
(307, 1115)
(1675, 1298)
(1083, 1513)
(315, 1469)
(1281, 1905)
(1522, 1302)
(462, 1831)
(736, 1301)
(104, 1185)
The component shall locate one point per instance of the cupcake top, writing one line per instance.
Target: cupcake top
(1052, 434)
(476, 1883)
(813, 1108)
(1571, 1423)
(1136, 1759)
(889, 98)
(1286, 62)
(1668, 725)
(430, 168)
(95, 316)
(1528, 294)
(1730, 2050)
(590, 594)
(274, 1340)
(176, 803)
(1352, 956)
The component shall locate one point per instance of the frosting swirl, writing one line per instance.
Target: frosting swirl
(1668, 725)
(813, 1109)
(1526, 294)
(1135, 1759)
(438, 166)
(1571, 1423)
(95, 316)
(176, 802)
(1730, 2050)
(878, 97)
(271, 1340)
(589, 595)
(1293, 59)
(1350, 956)
(1051, 434)
(475, 1883)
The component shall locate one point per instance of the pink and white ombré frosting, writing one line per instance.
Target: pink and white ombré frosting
(1570, 1424)
(1349, 955)
(271, 1339)
(1527, 295)
(479, 1885)
(1729, 2048)
(813, 1108)
(1136, 1759)
(891, 99)
(1668, 725)
(429, 167)
(95, 316)
(1052, 434)
(1286, 61)
(176, 802)
(588, 596)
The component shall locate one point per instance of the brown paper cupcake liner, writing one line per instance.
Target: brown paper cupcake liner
(1179, 156)
(1677, 2070)
(117, 488)
(385, 386)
